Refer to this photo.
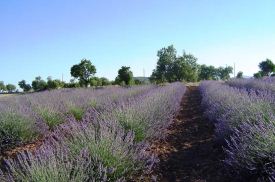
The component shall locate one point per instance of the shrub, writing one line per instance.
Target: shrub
(16, 129)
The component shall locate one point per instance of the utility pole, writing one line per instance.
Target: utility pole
(62, 77)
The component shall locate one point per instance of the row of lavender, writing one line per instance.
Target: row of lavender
(245, 122)
(264, 84)
(107, 145)
(28, 117)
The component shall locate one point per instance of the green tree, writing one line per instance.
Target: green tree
(54, 84)
(72, 84)
(185, 68)
(99, 82)
(259, 74)
(38, 84)
(10, 87)
(23, 85)
(267, 67)
(240, 74)
(2, 86)
(83, 71)
(171, 68)
(125, 75)
(93, 81)
(105, 81)
(224, 73)
(137, 82)
(166, 57)
(207, 72)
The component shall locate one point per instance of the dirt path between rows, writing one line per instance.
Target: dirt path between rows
(190, 152)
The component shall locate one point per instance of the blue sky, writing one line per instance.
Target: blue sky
(46, 37)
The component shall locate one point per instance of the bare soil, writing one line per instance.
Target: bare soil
(190, 152)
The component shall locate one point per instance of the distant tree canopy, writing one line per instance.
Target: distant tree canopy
(125, 76)
(208, 73)
(171, 68)
(10, 87)
(224, 72)
(72, 84)
(2, 86)
(38, 84)
(83, 71)
(105, 81)
(97, 82)
(258, 74)
(23, 85)
(137, 82)
(267, 68)
(54, 84)
(212, 73)
(240, 74)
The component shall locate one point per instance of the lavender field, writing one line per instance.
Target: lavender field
(243, 112)
(88, 134)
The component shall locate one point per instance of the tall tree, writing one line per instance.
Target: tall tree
(166, 56)
(26, 87)
(125, 75)
(267, 67)
(185, 68)
(83, 71)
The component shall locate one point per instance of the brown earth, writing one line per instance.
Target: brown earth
(12, 153)
(190, 153)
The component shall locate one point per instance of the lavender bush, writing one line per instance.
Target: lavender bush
(246, 121)
(76, 152)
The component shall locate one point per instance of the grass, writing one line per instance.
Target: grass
(77, 112)
(93, 103)
(51, 117)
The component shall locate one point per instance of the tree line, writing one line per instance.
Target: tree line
(170, 68)
(7, 88)
(83, 76)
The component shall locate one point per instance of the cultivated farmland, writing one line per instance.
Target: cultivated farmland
(86, 134)
(215, 131)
